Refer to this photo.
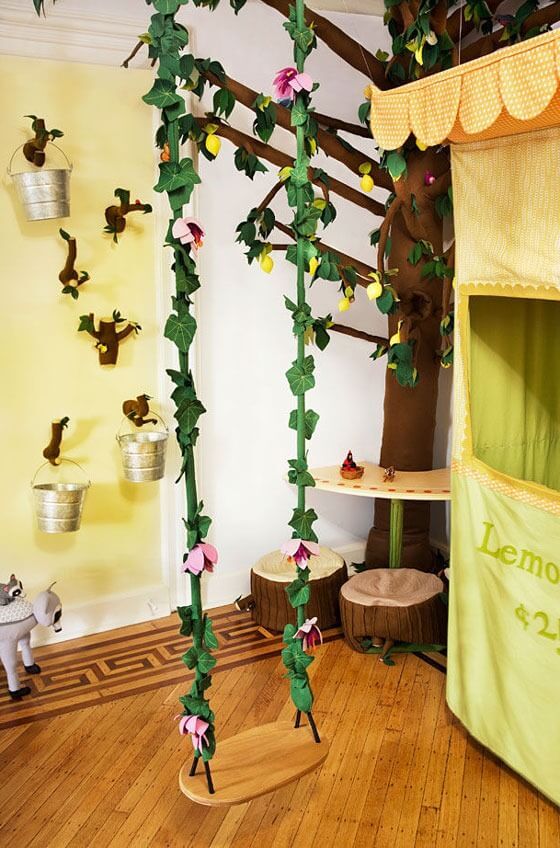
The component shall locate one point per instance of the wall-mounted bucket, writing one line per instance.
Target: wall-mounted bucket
(143, 453)
(58, 505)
(44, 192)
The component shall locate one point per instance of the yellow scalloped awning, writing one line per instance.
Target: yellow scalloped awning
(515, 90)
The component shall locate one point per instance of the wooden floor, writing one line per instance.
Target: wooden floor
(401, 771)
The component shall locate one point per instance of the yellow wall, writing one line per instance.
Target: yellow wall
(48, 369)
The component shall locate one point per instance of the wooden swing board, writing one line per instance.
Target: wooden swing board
(255, 762)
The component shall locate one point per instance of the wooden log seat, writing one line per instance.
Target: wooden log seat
(388, 605)
(272, 574)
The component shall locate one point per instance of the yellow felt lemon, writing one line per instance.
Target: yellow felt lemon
(313, 265)
(267, 263)
(420, 145)
(374, 290)
(344, 304)
(213, 144)
(395, 339)
(366, 183)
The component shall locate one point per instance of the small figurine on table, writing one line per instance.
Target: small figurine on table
(349, 470)
(389, 474)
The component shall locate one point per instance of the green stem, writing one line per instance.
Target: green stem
(396, 533)
(300, 259)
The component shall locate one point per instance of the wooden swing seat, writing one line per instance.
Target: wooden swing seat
(255, 762)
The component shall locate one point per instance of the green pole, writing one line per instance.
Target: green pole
(396, 533)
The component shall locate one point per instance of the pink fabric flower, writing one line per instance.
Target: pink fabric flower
(197, 727)
(429, 178)
(203, 557)
(300, 551)
(288, 83)
(310, 634)
(188, 231)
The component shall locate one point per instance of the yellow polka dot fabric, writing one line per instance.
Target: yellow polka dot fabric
(515, 90)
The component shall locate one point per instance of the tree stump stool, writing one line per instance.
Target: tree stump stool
(272, 574)
(388, 605)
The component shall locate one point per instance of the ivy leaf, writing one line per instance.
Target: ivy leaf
(209, 636)
(166, 7)
(298, 593)
(86, 323)
(300, 377)
(299, 113)
(174, 175)
(301, 695)
(290, 631)
(181, 330)
(185, 614)
(188, 414)
(396, 165)
(162, 94)
(386, 302)
(205, 661)
(311, 419)
(301, 521)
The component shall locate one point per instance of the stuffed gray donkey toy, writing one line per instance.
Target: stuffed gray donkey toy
(17, 620)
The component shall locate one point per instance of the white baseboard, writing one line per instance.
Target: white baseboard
(106, 614)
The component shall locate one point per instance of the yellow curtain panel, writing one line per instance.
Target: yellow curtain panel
(502, 116)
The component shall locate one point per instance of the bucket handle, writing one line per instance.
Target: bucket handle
(60, 150)
(71, 461)
(165, 427)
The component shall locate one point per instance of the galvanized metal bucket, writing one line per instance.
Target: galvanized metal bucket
(58, 505)
(44, 192)
(143, 453)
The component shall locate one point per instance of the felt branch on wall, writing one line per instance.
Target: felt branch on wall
(138, 410)
(52, 451)
(69, 277)
(34, 149)
(115, 216)
(108, 337)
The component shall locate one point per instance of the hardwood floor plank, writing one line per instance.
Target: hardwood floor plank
(402, 772)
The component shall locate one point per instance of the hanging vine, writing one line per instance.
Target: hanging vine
(167, 40)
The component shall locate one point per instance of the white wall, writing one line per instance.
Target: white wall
(246, 341)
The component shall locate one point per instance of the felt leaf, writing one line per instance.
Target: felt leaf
(301, 696)
(185, 614)
(180, 330)
(299, 113)
(298, 593)
(188, 414)
(290, 631)
(311, 419)
(176, 175)
(166, 7)
(385, 302)
(209, 637)
(396, 165)
(302, 521)
(190, 657)
(300, 377)
(205, 662)
(162, 94)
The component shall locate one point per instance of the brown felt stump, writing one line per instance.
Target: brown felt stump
(255, 762)
(273, 573)
(401, 604)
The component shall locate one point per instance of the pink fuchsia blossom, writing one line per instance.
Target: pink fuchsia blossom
(197, 728)
(429, 178)
(188, 231)
(288, 82)
(203, 557)
(310, 634)
(300, 551)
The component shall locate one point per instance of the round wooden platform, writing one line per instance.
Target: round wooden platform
(255, 762)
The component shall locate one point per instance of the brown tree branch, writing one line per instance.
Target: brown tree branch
(361, 267)
(122, 334)
(384, 232)
(328, 142)
(358, 334)
(339, 124)
(343, 45)
(281, 160)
